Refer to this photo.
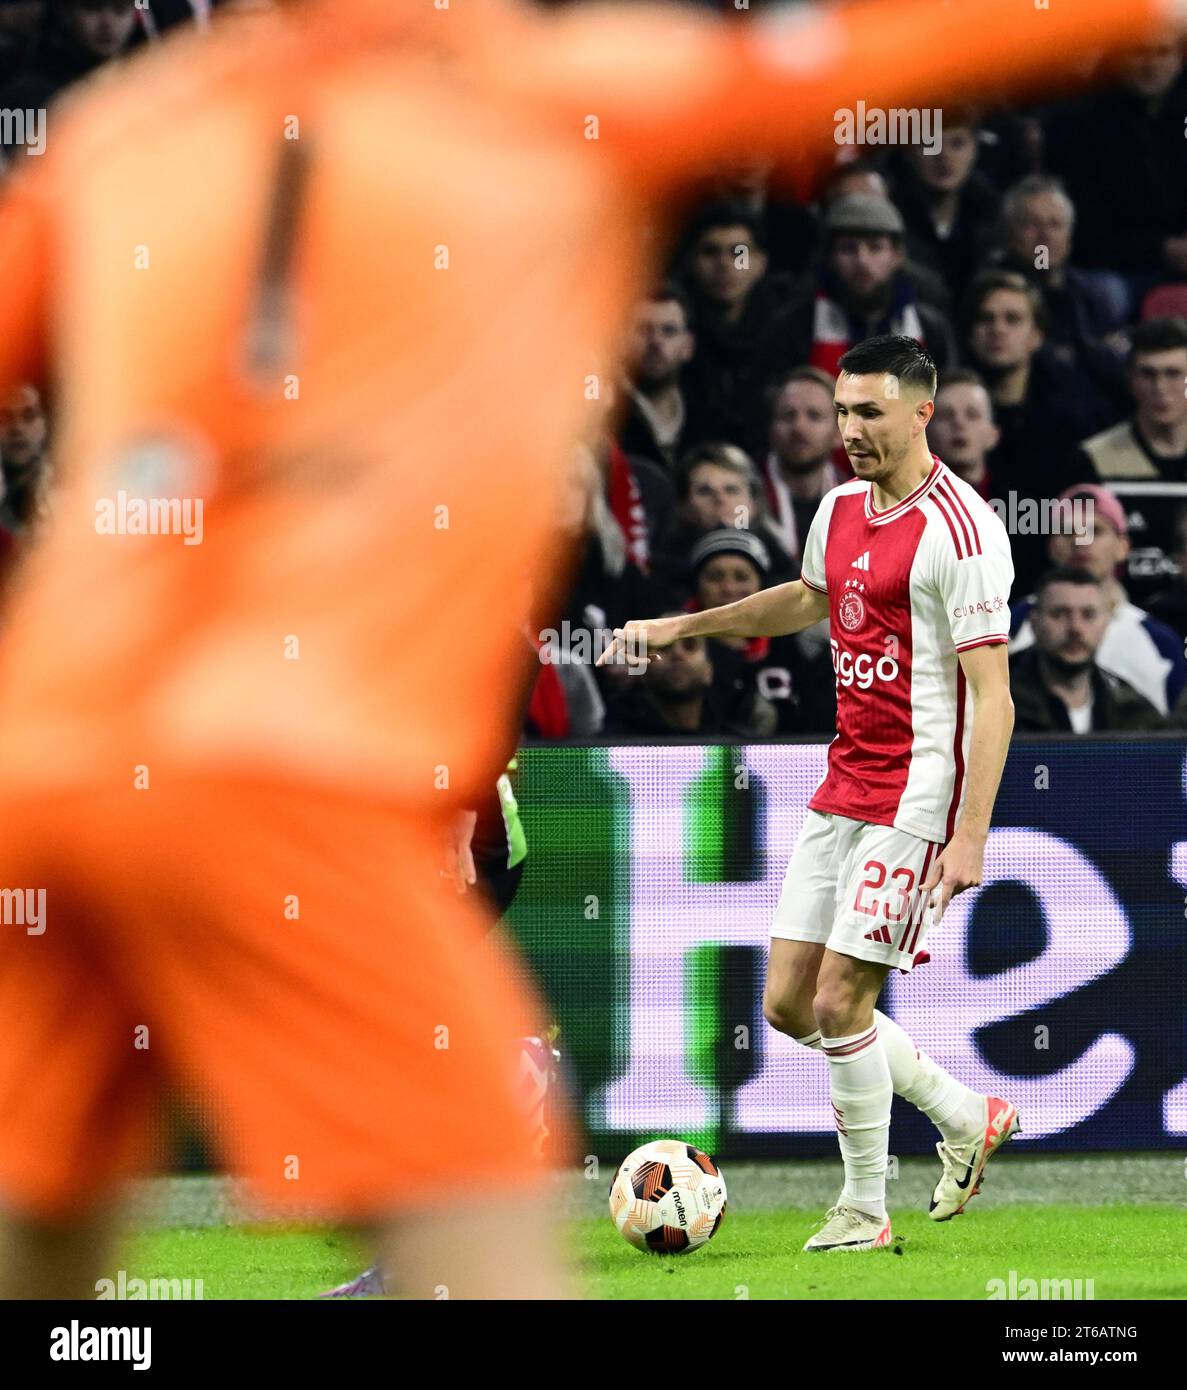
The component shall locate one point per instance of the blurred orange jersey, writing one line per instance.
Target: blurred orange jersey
(323, 295)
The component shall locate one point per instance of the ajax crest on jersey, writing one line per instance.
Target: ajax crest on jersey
(667, 1197)
(851, 610)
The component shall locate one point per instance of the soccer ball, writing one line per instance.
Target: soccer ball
(667, 1197)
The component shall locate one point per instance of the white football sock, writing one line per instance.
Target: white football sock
(957, 1112)
(859, 1082)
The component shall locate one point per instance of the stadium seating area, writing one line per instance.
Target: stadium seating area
(1039, 253)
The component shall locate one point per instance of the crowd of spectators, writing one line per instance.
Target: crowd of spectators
(1039, 253)
(1041, 257)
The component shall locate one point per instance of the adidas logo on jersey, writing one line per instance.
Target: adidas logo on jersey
(881, 934)
(862, 562)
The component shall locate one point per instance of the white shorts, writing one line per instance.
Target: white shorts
(856, 888)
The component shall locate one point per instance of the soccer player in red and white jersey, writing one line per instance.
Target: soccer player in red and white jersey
(913, 571)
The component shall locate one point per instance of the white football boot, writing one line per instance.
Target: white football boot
(964, 1164)
(846, 1228)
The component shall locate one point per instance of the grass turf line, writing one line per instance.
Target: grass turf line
(1127, 1251)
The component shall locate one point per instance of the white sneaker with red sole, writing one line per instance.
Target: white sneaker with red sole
(846, 1228)
(964, 1164)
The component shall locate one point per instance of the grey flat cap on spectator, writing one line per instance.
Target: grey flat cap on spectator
(862, 212)
(730, 540)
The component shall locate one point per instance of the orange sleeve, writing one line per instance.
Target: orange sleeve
(24, 285)
(668, 91)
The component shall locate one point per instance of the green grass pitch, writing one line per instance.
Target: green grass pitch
(1119, 1221)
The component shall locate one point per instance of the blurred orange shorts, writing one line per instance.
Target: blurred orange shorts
(283, 955)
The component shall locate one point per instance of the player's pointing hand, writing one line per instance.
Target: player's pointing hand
(638, 642)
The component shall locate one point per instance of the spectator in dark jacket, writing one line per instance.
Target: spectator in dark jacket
(797, 679)
(789, 228)
(733, 301)
(1144, 458)
(24, 452)
(716, 485)
(20, 22)
(677, 695)
(1122, 155)
(865, 177)
(1057, 685)
(948, 207)
(1169, 604)
(660, 418)
(1040, 404)
(76, 38)
(860, 290)
(963, 431)
(1134, 645)
(1035, 238)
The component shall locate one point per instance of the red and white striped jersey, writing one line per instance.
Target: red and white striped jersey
(909, 588)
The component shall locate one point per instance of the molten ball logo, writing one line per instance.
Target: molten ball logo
(851, 611)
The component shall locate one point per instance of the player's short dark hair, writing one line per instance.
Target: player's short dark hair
(727, 213)
(988, 282)
(1063, 574)
(1161, 334)
(895, 355)
(671, 293)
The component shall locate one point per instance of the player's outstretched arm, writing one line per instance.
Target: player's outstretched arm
(959, 865)
(671, 89)
(770, 613)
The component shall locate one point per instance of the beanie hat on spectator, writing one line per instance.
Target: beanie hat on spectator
(730, 540)
(834, 331)
(864, 213)
(1105, 504)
